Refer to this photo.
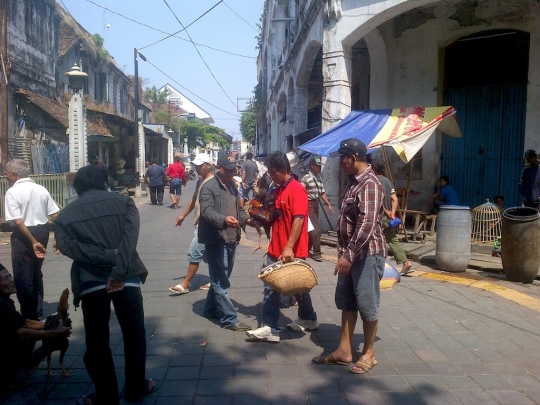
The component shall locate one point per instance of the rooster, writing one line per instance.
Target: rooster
(54, 344)
(262, 209)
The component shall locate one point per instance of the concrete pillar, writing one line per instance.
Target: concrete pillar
(140, 164)
(336, 106)
(170, 151)
(300, 111)
(78, 143)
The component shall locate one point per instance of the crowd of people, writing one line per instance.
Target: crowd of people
(99, 231)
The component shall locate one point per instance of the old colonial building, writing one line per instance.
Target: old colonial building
(319, 60)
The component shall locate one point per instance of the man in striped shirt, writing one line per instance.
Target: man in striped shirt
(314, 186)
(361, 253)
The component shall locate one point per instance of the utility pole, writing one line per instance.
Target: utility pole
(3, 86)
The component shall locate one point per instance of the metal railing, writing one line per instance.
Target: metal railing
(54, 183)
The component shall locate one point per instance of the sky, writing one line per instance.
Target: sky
(221, 79)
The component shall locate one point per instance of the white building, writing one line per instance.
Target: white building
(319, 60)
(183, 106)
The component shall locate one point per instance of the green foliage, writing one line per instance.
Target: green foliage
(248, 123)
(195, 130)
(103, 54)
(157, 99)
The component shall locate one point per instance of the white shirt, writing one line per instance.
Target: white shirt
(30, 202)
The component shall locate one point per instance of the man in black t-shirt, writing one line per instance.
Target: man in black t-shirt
(18, 336)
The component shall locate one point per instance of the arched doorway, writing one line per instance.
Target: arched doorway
(485, 79)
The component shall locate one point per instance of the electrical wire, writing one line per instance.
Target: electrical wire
(61, 1)
(164, 32)
(239, 16)
(183, 29)
(281, 51)
(189, 91)
(197, 49)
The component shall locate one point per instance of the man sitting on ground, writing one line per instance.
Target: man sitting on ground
(18, 336)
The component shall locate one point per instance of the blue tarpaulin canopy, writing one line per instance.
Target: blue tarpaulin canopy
(405, 129)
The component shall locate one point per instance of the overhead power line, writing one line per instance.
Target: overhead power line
(197, 49)
(256, 29)
(164, 32)
(183, 29)
(189, 91)
(239, 16)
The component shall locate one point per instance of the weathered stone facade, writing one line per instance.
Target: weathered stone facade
(319, 60)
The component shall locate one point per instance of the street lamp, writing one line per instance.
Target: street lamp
(77, 120)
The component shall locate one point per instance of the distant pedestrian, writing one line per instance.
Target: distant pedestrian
(249, 178)
(99, 231)
(219, 230)
(28, 206)
(313, 183)
(390, 208)
(446, 194)
(196, 251)
(289, 240)
(361, 253)
(177, 173)
(155, 177)
(529, 184)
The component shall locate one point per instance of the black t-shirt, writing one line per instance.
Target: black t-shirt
(10, 321)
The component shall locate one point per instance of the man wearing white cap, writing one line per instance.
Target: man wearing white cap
(203, 167)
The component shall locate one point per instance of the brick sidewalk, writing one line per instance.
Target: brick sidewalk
(437, 343)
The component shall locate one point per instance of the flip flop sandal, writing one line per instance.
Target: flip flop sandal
(329, 360)
(205, 287)
(178, 290)
(149, 390)
(362, 366)
(89, 399)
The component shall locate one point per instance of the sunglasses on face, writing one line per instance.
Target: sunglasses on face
(344, 145)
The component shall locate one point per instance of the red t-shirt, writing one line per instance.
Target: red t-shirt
(176, 171)
(292, 201)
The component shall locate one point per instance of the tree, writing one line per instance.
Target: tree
(248, 123)
(195, 130)
(157, 99)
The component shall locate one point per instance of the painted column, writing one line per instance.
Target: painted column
(77, 133)
(141, 160)
(170, 150)
(300, 111)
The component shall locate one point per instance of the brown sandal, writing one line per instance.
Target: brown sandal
(362, 366)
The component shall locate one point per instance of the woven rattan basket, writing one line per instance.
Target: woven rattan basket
(289, 278)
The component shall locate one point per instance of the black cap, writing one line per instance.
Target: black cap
(351, 147)
(224, 162)
(529, 154)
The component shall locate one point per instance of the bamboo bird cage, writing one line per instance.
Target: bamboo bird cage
(486, 223)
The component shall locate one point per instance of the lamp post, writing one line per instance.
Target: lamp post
(77, 120)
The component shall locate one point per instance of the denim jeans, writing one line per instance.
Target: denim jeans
(128, 306)
(220, 264)
(270, 306)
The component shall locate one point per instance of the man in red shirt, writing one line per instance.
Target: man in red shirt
(289, 240)
(177, 173)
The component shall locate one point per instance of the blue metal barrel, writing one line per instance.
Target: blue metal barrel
(520, 244)
(453, 243)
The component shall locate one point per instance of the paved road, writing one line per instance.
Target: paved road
(438, 342)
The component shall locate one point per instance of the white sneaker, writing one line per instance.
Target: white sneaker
(264, 334)
(300, 325)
